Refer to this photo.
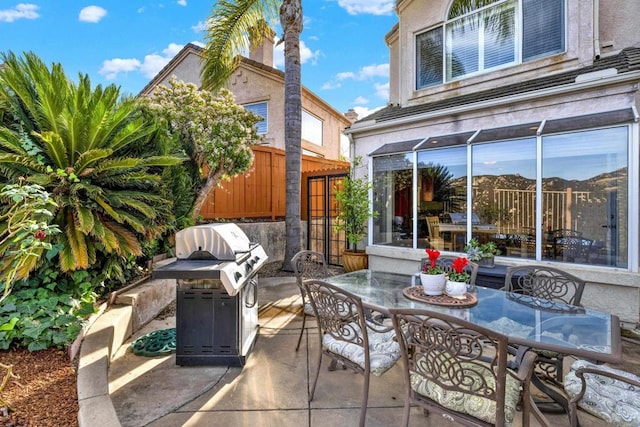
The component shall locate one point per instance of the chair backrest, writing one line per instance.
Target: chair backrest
(433, 224)
(445, 354)
(573, 248)
(309, 265)
(545, 282)
(340, 314)
(446, 261)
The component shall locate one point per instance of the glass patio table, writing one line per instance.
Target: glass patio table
(526, 321)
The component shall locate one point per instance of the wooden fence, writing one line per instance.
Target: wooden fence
(260, 192)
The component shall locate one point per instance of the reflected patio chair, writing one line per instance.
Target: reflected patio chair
(347, 338)
(609, 394)
(435, 239)
(572, 248)
(459, 369)
(446, 261)
(307, 265)
(551, 284)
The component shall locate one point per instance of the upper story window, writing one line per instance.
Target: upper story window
(483, 35)
(260, 108)
(311, 128)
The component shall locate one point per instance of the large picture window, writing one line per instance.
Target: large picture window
(569, 204)
(479, 39)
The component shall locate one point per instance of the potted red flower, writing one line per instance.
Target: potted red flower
(457, 279)
(431, 274)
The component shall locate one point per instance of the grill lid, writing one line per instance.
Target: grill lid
(214, 251)
(223, 242)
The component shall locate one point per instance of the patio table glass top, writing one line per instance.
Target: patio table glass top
(525, 320)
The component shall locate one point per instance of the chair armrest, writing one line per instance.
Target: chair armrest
(525, 366)
(580, 372)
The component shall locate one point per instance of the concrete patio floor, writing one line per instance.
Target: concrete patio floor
(271, 389)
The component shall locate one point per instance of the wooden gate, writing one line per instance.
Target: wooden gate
(319, 209)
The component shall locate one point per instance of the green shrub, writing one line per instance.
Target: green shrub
(47, 310)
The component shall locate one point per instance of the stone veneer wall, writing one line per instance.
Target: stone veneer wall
(271, 235)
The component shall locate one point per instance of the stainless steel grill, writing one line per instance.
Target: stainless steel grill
(217, 294)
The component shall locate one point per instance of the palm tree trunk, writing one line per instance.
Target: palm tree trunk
(291, 21)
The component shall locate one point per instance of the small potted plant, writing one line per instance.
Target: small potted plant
(352, 198)
(431, 274)
(483, 254)
(457, 278)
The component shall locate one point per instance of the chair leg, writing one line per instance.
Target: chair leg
(315, 379)
(365, 399)
(304, 318)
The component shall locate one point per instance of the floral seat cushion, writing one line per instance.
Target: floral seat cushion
(612, 400)
(384, 350)
(308, 309)
(476, 406)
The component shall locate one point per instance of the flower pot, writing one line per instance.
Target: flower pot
(433, 284)
(354, 260)
(487, 261)
(455, 289)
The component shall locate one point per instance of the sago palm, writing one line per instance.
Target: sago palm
(237, 25)
(80, 144)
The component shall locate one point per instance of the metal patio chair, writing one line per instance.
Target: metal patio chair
(307, 265)
(348, 338)
(458, 369)
(557, 286)
(446, 261)
(609, 394)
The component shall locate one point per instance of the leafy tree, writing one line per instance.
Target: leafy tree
(215, 133)
(236, 25)
(79, 144)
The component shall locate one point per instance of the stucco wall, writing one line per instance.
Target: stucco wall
(416, 16)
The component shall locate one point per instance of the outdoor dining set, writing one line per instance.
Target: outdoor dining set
(474, 358)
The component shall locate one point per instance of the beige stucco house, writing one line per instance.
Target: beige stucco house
(514, 123)
(259, 87)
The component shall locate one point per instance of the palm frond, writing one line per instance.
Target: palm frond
(127, 241)
(232, 27)
(75, 250)
(84, 218)
(88, 158)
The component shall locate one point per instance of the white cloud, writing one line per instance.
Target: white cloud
(92, 14)
(20, 11)
(182, 2)
(374, 7)
(199, 27)
(112, 67)
(149, 66)
(382, 90)
(306, 54)
(365, 73)
(368, 72)
(360, 100)
(364, 111)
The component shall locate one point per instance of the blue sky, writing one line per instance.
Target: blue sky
(345, 59)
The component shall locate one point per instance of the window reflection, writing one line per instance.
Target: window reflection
(584, 180)
(442, 183)
(392, 199)
(584, 217)
(504, 194)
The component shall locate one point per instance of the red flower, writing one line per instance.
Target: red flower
(40, 235)
(433, 256)
(459, 264)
